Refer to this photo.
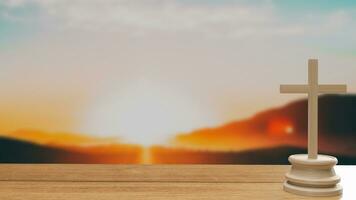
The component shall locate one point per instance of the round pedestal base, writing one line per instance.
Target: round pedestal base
(313, 192)
(312, 177)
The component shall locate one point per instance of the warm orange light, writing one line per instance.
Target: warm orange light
(280, 127)
(289, 129)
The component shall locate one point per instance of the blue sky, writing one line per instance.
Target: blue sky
(101, 67)
(23, 18)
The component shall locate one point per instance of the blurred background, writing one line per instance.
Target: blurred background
(172, 81)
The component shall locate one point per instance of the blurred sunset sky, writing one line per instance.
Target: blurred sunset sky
(144, 71)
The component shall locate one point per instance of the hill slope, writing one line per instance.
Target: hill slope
(286, 125)
(15, 151)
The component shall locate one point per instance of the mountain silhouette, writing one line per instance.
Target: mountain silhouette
(337, 128)
(16, 151)
(337, 115)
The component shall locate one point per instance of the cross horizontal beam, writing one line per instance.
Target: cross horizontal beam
(330, 89)
(294, 89)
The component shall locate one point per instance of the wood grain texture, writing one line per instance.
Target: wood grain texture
(142, 190)
(112, 182)
(139, 173)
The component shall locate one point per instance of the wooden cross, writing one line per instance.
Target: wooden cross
(313, 89)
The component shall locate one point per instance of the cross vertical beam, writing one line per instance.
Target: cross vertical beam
(313, 109)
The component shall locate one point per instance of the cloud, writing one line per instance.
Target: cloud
(231, 19)
(222, 20)
(13, 3)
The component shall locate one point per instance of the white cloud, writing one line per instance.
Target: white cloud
(13, 3)
(157, 15)
(234, 20)
(338, 20)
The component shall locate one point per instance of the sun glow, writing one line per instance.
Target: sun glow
(289, 129)
(280, 127)
(146, 114)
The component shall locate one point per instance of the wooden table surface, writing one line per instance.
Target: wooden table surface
(74, 182)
